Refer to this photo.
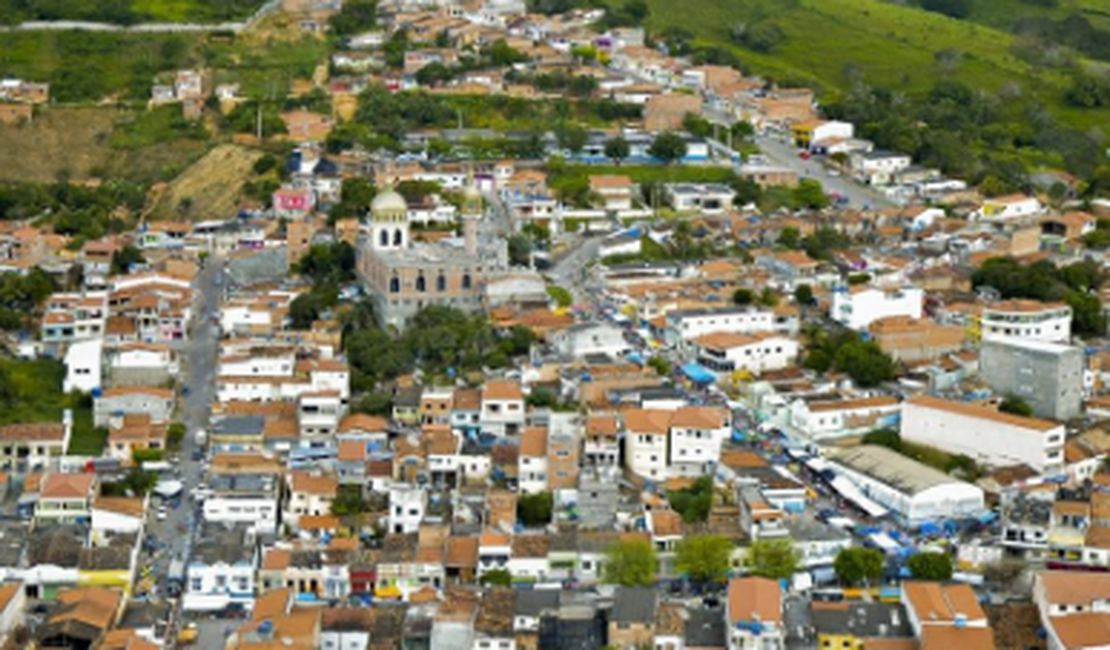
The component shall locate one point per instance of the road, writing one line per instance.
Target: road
(782, 153)
(570, 272)
(178, 530)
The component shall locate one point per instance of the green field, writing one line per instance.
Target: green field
(126, 12)
(831, 45)
(36, 396)
(1002, 14)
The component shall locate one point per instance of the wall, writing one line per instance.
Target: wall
(1049, 379)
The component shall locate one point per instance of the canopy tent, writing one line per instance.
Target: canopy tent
(849, 491)
(698, 374)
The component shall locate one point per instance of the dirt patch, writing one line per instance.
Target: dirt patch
(58, 143)
(210, 187)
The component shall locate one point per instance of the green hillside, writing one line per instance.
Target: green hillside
(125, 12)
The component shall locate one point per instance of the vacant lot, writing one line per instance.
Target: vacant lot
(36, 396)
(210, 188)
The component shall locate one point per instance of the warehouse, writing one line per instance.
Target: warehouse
(915, 493)
(984, 434)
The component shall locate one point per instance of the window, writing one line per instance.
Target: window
(394, 285)
(466, 281)
(441, 283)
(421, 284)
(397, 237)
(383, 238)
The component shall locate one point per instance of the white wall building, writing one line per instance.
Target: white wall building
(858, 307)
(686, 325)
(1026, 319)
(83, 366)
(827, 419)
(726, 353)
(407, 504)
(645, 442)
(915, 492)
(984, 434)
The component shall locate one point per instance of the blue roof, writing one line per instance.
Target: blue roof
(696, 373)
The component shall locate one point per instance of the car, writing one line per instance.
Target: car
(162, 513)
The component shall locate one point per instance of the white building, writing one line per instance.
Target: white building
(1009, 208)
(878, 167)
(857, 307)
(407, 504)
(243, 499)
(915, 492)
(984, 434)
(585, 339)
(532, 474)
(1074, 608)
(695, 436)
(645, 442)
(753, 614)
(502, 408)
(834, 418)
(83, 366)
(221, 571)
(1026, 319)
(686, 325)
(706, 198)
(726, 353)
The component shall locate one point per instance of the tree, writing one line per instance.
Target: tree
(562, 297)
(704, 558)
(668, 147)
(503, 55)
(695, 124)
(693, 502)
(175, 434)
(1015, 406)
(768, 297)
(434, 74)
(348, 501)
(859, 565)
(618, 149)
(535, 509)
(772, 558)
(631, 563)
(742, 130)
(865, 363)
(930, 566)
(1004, 573)
(520, 249)
(572, 137)
(376, 404)
(803, 295)
(124, 258)
(497, 578)
(743, 297)
(763, 36)
(662, 367)
(790, 237)
(303, 311)
(810, 194)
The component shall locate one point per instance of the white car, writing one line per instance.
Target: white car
(162, 513)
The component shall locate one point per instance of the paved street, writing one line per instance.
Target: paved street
(568, 271)
(784, 154)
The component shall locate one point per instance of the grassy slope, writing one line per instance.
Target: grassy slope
(39, 386)
(1000, 14)
(211, 186)
(893, 46)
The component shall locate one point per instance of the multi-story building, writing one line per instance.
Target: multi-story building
(726, 353)
(986, 435)
(857, 307)
(1047, 376)
(1026, 319)
(753, 614)
(30, 447)
(221, 570)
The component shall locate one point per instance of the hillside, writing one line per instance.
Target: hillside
(831, 45)
(210, 186)
(127, 12)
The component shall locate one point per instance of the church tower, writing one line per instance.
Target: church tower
(471, 214)
(389, 221)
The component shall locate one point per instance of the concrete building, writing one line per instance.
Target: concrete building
(858, 307)
(1048, 376)
(1026, 319)
(688, 324)
(984, 434)
(726, 353)
(909, 339)
(916, 493)
(584, 339)
(834, 418)
(403, 277)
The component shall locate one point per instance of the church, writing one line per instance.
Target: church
(404, 276)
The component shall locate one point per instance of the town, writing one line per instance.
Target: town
(524, 330)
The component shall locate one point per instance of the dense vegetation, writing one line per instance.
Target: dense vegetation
(21, 296)
(930, 456)
(845, 352)
(127, 12)
(1076, 284)
(31, 392)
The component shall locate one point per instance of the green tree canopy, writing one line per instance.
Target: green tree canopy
(631, 563)
(618, 149)
(1015, 406)
(859, 565)
(705, 558)
(693, 502)
(535, 509)
(772, 558)
(930, 566)
(668, 147)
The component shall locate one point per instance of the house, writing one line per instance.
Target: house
(502, 407)
(703, 198)
(911, 340)
(493, 626)
(84, 367)
(65, 499)
(614, 191)
(946, 616)
(1014, 207)
(695, 436)
(726, 353)
(814, 134)
(82, 618)
(986, 435)
(310, 493)
(1074, 608)
(13, 602)
(859, 306)
(878, 167)
(822, 418)
(588, 339)
(221, 570)
(132, 400)
(33, 447)
(753, 614)
(632, 620)
(132, 433)
(645, 442)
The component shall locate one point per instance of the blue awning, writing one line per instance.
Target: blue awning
(698, 374)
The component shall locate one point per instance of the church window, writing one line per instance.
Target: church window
(421, 283)
(384, 238)
(395, 285)
(466, 281)
(441, 283)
